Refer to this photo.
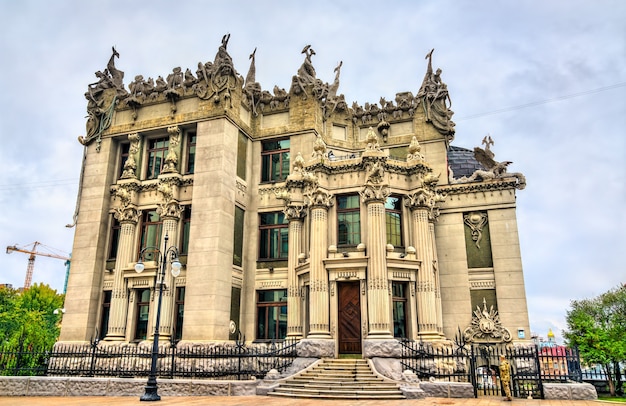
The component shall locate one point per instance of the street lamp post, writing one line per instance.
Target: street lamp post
(170, 254)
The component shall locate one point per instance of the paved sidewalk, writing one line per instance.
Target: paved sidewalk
(271, 401)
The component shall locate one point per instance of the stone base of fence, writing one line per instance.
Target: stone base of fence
(447, 389)
(570, 391)
(71, 386)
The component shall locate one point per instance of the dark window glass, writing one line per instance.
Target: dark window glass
(242, 152)
(143, 313)
(399, 309)
(157, 151)
(151, 227)
(274, 236)
(115, 238)
(238, 237)
(393, 220)
(180, 312)
(275, 160)
(106, 311)
(271, 314)
(184, 240)
(348, 220)
(235, 310)
(191, 152)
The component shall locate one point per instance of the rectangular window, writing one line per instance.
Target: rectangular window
(115, 239)
(274, 236)
(348, 220)
(275, 161)
(271, 314)
(124, 148)
(393, 220)
(106, 311)
(180, 312)
(157, 151)
(184, 238)
(399, 309)
(143, 313)
(151, 227)
(242, 152)
(238, 237)
(235, 310)
(191, 152)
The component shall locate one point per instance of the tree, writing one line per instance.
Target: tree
(596, 326)
(28, 317)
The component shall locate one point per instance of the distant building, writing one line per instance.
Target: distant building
(294, 215)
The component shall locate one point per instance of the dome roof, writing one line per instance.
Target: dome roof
(462, 162)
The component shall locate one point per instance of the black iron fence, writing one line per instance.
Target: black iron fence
(478, 364)
(231, 360)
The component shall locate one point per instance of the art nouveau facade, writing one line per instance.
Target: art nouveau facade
(293, 214)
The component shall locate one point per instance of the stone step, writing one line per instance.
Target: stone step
(339, 379)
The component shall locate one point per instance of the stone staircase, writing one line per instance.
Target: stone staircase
(338, 379)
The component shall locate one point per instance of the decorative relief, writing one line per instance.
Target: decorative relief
(318, 197)
(484, 284)
(130, 166)
(270, 284)
(171, 160)
(486, 325)
(318, 286)
(414, 151)
(377, 284)
(427, 197)
(374, 193)
(476, 221)
(294, 211)
(435, 100)
(372, 140)
(319, 149)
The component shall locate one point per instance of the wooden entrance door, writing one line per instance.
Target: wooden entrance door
(349, 317)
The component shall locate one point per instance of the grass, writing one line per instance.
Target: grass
(618, 399)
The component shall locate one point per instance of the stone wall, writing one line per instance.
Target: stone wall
(65, 386)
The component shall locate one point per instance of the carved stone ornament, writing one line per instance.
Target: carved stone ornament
(493, 169)
(319, 149)
(318, 197)
(476, 221)
(128, 214)
(414, 151)
(171, 160)
(294, 211)
(372, 141)
(130, 166)
(434, 97)
(374, 193)
(426, 197)
(170, 210)
(375, 173)
(486, 326)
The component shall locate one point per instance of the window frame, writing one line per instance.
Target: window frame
(155, 156)
(390, 213)
(190, 152)
(148, 254)
(138, 307)
(348, 212)
(124, 152)
(184, 230)
(268, 174)
(266, 233)
(279, 332)
(395, 298)
(179, 315)
(114, 239)
(105, 314)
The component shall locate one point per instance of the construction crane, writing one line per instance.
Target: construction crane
(31, 249)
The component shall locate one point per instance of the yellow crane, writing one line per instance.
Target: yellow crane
(31, 249)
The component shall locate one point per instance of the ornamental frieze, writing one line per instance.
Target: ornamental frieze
(486, 326)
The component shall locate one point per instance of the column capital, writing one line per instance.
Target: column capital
(317, 197)
(374, 193)
(427, 198)
(294, 212)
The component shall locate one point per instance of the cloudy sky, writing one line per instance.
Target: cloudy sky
(546, 79)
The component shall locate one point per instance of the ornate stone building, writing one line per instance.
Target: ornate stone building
(293, 214)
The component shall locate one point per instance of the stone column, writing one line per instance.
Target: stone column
(319, 305)
(128, 216)
(438, 306)
(422, 204)
(378, 306)
(170, 213)
(294, 319)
